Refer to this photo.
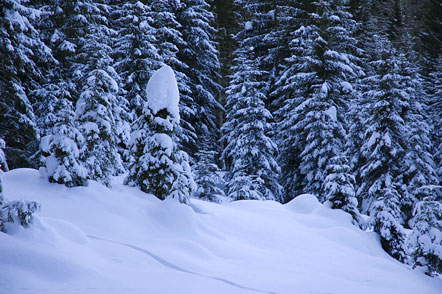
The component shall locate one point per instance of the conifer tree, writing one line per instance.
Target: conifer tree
(419, 167)
(98, 101)
(60, 145)
(201, 58)
(425, 241)
(312, 94)
(339, 186)
(383, 153)
(160, 168)
(21, 52)
(135, 55)
(20, 212)
(253, 171)
(434, 92)
(210, 184)
(170, 42)
(96, 122)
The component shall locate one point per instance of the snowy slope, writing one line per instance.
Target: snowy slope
(97, 240)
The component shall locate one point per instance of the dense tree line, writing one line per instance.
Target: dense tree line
(340, 98)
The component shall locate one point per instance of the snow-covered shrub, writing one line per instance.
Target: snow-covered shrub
(425, 242)
(19, 212)
(384, 217)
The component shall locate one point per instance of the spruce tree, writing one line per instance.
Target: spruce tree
(339, 186)
(210, 183)
(419, 165)
(135, 54)
(98, 100)
(425, 241)
(96, 122)
(60, 145)
(381, 193)
(250, 153)
(201, 57)
(21, 52)
(170, 42)
(159, 167)
(20, 212)
(312, 94)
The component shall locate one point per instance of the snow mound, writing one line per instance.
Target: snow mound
(162, 91)
(99, 240)
(305, 203)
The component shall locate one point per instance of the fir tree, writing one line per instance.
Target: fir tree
(385, 218)
(170, 42)
(21, 52)
(210, 183)
(383, 153)
(60, 146)
(98, 102)
(312, 94)
(253, 172)
(425, 241)
(418, 161)
(339, 186)
(96, 122)
(201, 57)
(136, 55)
(160, 168)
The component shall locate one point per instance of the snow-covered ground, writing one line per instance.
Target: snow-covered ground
(120, 240)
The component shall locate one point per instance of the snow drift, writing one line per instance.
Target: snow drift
(97, 240)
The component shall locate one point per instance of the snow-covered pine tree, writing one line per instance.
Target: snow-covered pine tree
(313, 91)
(434, 93)
(135, 53)
(419, 167)
(60, 145)
(201, 57)
(21, 52)
(385, 219)
(159, 166)
(96, 122)
(425, 241)
(383, 152)
(339, 186)
(210, 184)
(98, 98)
(170, 42)
(250, 154)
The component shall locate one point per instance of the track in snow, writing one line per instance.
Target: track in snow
(178, 268)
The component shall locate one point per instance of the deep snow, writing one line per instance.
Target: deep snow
(96, 240)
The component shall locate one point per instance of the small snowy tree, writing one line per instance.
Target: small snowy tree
(209, 182)
(60, 147)
(339, 186)
(425, 242)
(385, 219)
(160, 167)
(20, 212)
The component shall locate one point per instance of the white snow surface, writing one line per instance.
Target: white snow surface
(162, 91)
(96, 240)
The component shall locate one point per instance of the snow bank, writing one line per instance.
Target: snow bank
(162, 91)
(96, 240)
